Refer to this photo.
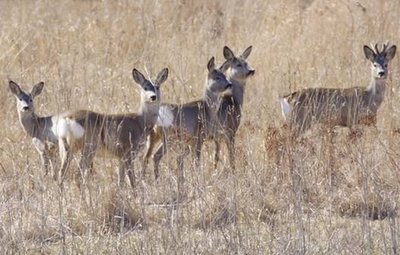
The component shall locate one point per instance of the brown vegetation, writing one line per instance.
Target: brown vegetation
(325, 194)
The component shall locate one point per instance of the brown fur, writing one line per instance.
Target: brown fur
(342, 107)
(192, 123)
(120, 135)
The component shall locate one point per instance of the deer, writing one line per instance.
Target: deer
(237, 71)
(42, 130)
(190, 123)
(346, 107)
(122, 136)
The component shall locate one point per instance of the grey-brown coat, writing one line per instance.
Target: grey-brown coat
(341, 107)
(189, 124)
(122, 135)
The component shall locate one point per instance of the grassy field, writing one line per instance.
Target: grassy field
(318, 197)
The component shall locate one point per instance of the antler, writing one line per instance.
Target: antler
(376, 49)
(385, 47)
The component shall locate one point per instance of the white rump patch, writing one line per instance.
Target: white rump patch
(285, 107)
(165, 116)
(65, 127)
(76, 129)
(60, 128)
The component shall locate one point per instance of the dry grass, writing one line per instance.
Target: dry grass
(316, 197)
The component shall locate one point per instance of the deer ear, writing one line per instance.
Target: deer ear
(369, 53)
(246, 52)
(138, 76)
(228, 54)
(15, 88)
(391, 52)
(37, 89)
(211, 64)
(162, 76)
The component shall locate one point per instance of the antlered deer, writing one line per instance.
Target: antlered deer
(341, 107)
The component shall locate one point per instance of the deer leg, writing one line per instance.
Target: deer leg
(91, 170)
(151, 143)
(199, 144)
(86, 161)
(157, 158)
(131, 167)
(147, 156)
(66, 157)
(121, 172)
(162, 149)
(155, 136)
(231, 150)
(53, 156)
(41, 148)
(217, 151)
(126, 166)
(180, 163)
(131, 174)
(45, 162)
(53, 163)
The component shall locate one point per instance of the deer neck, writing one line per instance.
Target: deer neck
(237, 90)
(30, 123)
(149, 114)
(376, 91)
(212, 102)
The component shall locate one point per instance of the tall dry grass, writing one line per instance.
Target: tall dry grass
(319, 196)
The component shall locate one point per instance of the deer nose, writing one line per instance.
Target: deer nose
(251, 72)
(153, 98)
(25, 108)
(381, 73)
(229, 86)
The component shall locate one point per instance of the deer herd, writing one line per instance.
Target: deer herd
(216, 116)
